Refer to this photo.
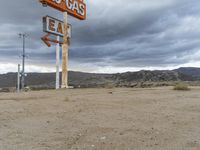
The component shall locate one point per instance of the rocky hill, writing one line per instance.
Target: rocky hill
(80, 79)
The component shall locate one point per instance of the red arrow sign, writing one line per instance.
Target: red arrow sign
(47, 40)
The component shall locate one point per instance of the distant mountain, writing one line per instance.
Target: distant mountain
(8, 80)
(80, 79)
(48, 79)
(191, 71)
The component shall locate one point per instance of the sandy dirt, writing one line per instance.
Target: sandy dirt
(101, 119)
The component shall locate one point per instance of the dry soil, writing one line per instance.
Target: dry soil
(101, 119)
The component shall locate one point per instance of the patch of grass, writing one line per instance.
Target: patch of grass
(181, 87)
(66, 99)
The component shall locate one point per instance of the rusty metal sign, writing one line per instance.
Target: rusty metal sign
(55, 26)
(75, 8)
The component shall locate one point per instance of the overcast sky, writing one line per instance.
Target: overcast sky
(118, 35)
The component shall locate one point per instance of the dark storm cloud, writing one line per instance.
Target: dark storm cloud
(126, 33)
(153, 37)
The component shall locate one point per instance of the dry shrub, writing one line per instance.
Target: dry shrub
(109, 86)
(181, 87)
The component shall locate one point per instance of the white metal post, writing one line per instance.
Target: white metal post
(18, 79)
(58, 64)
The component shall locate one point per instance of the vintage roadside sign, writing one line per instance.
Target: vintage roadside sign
(55, 26)
(75, 8)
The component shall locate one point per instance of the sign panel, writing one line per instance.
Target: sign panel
(55, 26)
(75, 8)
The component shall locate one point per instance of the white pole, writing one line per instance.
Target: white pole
(65, 53)
(58, 64)
(18, 79)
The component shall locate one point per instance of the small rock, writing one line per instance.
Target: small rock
(103, 138)
(92, 145)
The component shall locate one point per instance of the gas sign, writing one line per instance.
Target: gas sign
(55, 26)
(75, 8)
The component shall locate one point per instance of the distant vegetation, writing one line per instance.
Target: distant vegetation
(181, 87)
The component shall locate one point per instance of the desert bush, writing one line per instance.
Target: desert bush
(109, 86)
(181, 87)
(6, 90)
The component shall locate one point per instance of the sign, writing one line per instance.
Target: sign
(55, 26)
(47, 40)
(75, 8)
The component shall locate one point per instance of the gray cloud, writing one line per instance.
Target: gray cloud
(128, 33)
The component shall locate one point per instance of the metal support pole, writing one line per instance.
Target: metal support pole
(58, 64)
(65, 54)
(23, 36)
(18, 79)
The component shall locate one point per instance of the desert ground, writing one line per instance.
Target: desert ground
(101, 119)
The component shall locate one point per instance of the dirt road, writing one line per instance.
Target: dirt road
(101, 119)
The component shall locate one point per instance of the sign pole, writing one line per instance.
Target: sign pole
(58, 64)
(65, 53)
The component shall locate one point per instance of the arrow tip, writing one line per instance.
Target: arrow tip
(45, 40)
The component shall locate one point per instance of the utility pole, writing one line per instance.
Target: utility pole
(23, 36)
